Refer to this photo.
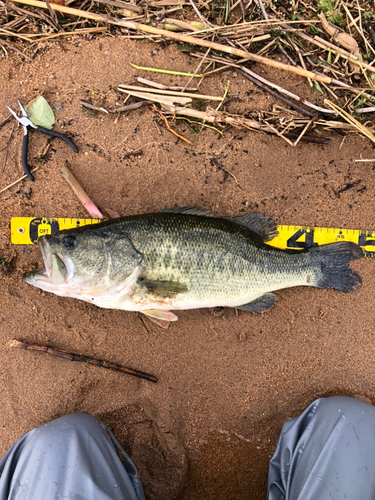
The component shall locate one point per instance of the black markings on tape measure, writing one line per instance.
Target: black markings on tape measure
(309, 239)
(40, 226)
(366, 239)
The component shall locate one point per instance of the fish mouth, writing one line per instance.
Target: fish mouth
(55, 271)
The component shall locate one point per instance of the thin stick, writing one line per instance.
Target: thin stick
(169, 127)
(365, 110)
(204, 21)
(341, 54)
(335, 47)
(352, 89)
(11, 46)
(5, 121)
(283, 51)
(303, 132)
(129, 107)
(296, 48)
(307, 138)
(224, 96)
(350, 119)
(70, 33)
(163, 99)
(265, 15)
(87, 105)
(11, 33)
(275, 94)
(121, 5)
(84, 359)
(160, 86)
(18, 180)
(263, 80)
(370, 30)
(171, 92)
(54, 20)
(196, 69)
(181, 38)
(356, 27)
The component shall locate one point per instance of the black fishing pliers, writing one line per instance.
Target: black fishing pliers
(26, 122)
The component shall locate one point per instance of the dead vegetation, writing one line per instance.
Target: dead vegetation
(331, 44)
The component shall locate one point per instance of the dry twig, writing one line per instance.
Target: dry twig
(168, 126)
(180, 37)
(84, 359)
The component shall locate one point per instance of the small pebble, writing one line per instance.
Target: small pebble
(59, 107)
(26, 250)
(242, 336)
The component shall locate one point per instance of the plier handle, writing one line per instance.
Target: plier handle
(26, 122)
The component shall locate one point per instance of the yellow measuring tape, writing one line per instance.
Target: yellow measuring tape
(26, 231)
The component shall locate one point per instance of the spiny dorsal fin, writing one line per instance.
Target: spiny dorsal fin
(259, 223)
(187, 211)
(164, 289)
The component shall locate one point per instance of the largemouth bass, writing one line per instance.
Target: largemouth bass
(185, 259)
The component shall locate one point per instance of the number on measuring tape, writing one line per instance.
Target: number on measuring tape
(308, 242)
(40, 226)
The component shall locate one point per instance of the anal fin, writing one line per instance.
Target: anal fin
(160, 314)
(261, 304)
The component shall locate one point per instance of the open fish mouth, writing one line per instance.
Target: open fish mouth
(55, 271)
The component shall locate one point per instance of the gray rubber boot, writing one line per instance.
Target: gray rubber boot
(327, 453)
(73, 457)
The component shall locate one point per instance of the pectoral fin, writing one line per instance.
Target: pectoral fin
(264, 302)
(160, 314)
(164, 289)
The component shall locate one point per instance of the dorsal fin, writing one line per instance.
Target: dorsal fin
(187, 211)
(259, 223)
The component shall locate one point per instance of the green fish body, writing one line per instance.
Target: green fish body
(156, 263)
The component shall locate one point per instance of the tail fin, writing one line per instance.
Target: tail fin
(334, 259)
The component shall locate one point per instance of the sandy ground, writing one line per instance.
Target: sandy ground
(226, 384)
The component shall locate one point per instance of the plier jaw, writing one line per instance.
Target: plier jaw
(24, 120)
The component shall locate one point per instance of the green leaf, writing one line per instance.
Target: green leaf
(3, 264)
(317, 86)
(360, 102)
(40, 113)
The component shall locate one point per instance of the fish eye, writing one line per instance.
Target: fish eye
(69, 241)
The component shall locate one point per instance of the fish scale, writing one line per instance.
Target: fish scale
(220, 262)
(186, 261)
